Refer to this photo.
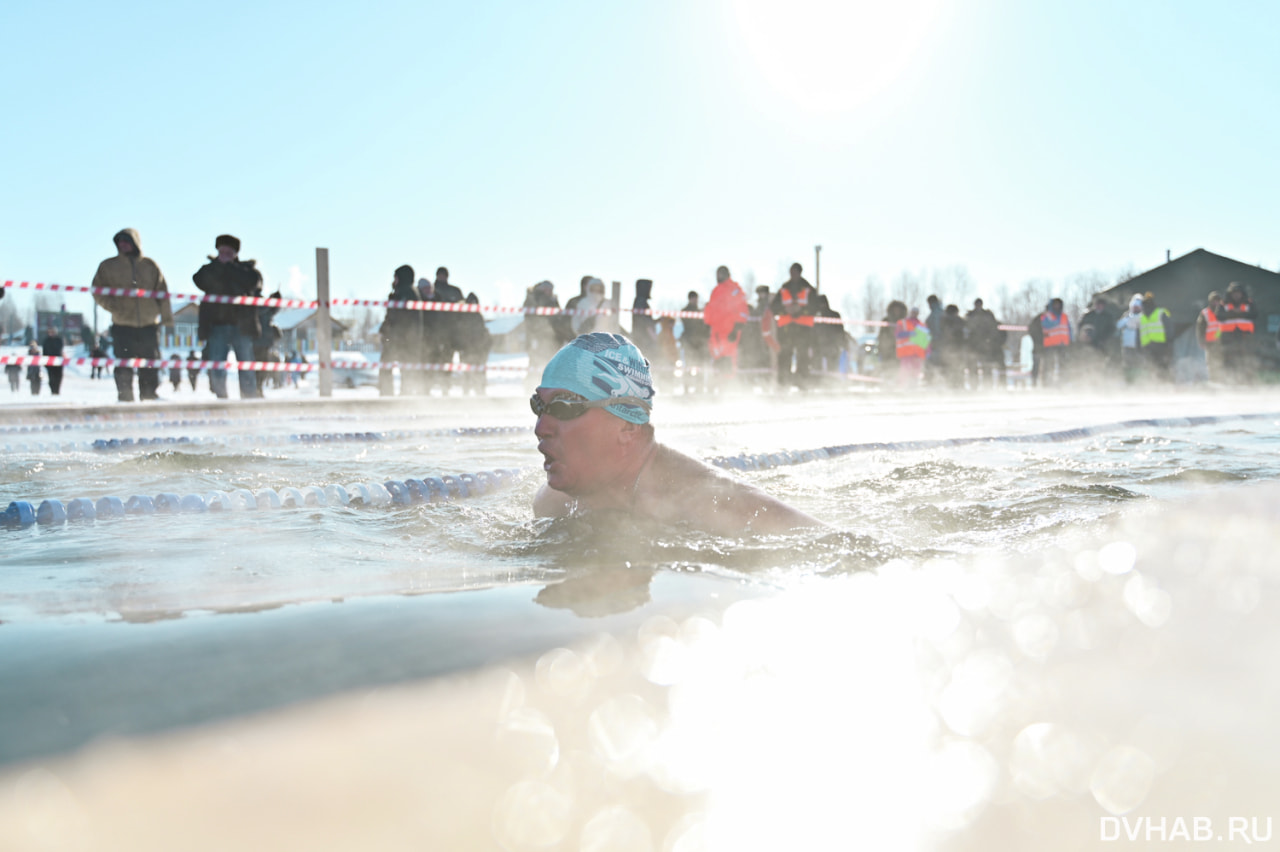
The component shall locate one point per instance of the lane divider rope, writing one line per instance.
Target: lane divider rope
(23, 514)
(108, 444)
(766, 461)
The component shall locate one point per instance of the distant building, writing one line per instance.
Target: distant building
(297, 327)
(185, 324)
(69, 325)
(1183, 285)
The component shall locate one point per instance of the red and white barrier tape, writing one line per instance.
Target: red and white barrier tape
(266, 366)
(441, 307)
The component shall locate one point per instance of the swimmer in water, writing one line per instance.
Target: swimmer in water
(599, 450)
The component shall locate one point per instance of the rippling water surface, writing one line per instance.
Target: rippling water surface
(995, 645)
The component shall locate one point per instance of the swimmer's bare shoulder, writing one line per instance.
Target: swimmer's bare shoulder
(550, 503)
(677, 488)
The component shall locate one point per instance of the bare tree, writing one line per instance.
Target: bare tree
(909, 287)
(1028, 302)
(1078, 290)
(10, 319)
(872, 298)
(963, 286)
(362, 325)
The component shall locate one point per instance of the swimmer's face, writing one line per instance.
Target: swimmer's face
(577, 453)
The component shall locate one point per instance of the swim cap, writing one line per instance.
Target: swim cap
(599, 366)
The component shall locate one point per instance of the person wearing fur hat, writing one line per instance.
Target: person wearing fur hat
(135, 322)
(226, 326)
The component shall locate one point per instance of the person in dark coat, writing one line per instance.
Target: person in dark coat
(828, 337)
(951, 332)
(542, 338)
(887, 341)
(1240, 328)
(1103, 316)
(403, 339)
(264, 345)
(53, 346)
(793, 310)
(33, 370)
(442, 336)
(193, 373)
(474, 345)
(986, 346)
(229, 327)
(644, 330)
(695, 341)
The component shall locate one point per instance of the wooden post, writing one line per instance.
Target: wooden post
(817, 267)
(615, 322)
(324, 328)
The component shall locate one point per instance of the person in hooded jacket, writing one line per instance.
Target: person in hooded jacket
(229, 327)
(541, 336)
(403, 337)
(644, 329)
(135, 321)
(475, 342)
(726, 315)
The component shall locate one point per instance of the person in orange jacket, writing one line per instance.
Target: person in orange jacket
(725, 315)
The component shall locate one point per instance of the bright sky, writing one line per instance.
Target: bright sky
(514, 142)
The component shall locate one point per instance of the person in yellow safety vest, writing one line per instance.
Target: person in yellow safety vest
(1155, 338)
(1239, 321)
(1209, 336)
(911, 337)
(794, 309)
(1050, 341)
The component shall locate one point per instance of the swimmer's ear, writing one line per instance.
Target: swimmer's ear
(629, 432)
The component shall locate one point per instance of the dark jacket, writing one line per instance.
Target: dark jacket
(403, 330)
(1238, 311)
(696, 334)
(544, 334)
(237, 278)
(52, 345)
(951, 336)
(474, 339)
(644, 329)
(795, 289)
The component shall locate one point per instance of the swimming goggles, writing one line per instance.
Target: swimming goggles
(567, 409)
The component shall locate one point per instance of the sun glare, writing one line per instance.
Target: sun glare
(830, 56)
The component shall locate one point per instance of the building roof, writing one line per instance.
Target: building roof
(286, 320)
(1183, 284)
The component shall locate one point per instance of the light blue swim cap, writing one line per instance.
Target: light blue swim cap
(600, 366)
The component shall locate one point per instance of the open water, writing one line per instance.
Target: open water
(997, 645)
